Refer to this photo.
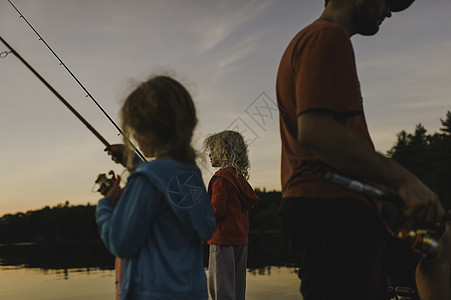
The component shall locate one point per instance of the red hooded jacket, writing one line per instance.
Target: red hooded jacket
(231, 197)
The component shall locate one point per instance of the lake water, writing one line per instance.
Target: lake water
(21, 283)
(77, 271)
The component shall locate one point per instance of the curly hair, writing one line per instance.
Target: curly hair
(230, 149)
(160, 115)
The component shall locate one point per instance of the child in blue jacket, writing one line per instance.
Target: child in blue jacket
(164, 213)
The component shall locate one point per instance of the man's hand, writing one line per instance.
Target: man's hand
(322, 134)
(421, 204)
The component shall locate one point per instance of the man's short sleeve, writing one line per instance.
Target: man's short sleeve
(325, 73)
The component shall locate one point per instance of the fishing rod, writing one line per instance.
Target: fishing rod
(363, 188)
(425, 241)
(86, 123)
(88, 94)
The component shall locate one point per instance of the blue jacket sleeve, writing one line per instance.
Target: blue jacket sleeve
(124, 229)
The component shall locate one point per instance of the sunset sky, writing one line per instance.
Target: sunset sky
(225, 52)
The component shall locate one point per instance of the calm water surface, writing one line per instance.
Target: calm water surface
(84, 271)
(20, 283)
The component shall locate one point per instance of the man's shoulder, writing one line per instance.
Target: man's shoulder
(323, 26)
(321, 34)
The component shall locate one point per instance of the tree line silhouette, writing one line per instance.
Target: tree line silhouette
(61, 223)
(66, 236)
(428, 157)
(67, 223)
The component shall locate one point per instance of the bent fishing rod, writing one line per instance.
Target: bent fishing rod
(88, 94)
(3, 54)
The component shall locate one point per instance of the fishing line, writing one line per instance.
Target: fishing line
(88, 94)
(86, 123)
(4, 54)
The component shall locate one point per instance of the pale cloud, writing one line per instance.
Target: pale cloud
(429, 104)
(232, 18)
(240, 51)
(415, 78)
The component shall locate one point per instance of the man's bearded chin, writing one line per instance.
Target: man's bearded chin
(365, 26)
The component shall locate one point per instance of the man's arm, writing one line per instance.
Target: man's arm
(333, 143)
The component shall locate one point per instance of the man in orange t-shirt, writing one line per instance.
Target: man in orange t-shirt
(336, 235)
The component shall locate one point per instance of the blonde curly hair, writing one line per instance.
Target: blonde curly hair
(230, 149)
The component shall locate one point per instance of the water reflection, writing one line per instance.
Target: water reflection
(265, 249)
(56, 274)
(268, 249)
(19, 283)
(57, 256)
(75, 271)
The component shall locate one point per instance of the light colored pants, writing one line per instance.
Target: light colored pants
(227, 272)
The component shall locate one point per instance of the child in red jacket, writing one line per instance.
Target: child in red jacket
(231, 197)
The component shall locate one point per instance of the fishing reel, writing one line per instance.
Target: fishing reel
(402, 292)
(103, 183)
(423, 239)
